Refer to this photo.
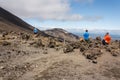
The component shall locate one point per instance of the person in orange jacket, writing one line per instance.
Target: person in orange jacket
(107, 39)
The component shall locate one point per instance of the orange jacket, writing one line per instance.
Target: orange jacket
(107, 38)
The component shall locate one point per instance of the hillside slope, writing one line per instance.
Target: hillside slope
(61, 33)
(10, 22)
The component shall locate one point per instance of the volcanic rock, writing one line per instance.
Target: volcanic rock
(5, 43)
(37, 43)
(83, 48)
(52, 43)
(68, 48)
(92, 53)
(98, 38)
(115, 52)
(25, 36)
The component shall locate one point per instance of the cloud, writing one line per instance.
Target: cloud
(43, 9)
(36, 8)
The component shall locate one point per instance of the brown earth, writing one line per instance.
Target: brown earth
(28, 59)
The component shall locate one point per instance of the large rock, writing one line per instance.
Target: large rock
(68, 48)
(83, 48)
(5, 43)
(108, 48)
(25, 36)
(52, 43)
(98, 38)
(37, 43)
(97, 44)
(4, 33)
(75, 45)
(115, 52)
(92, 53)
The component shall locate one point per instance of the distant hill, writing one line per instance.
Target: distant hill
(61, 33)
(10, 22)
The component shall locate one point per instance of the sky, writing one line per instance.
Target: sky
(67, 14)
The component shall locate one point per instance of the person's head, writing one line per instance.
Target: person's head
(86, 30)
(107, 33)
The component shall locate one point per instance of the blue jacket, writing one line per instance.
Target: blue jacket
(86, 35)
(35, 30)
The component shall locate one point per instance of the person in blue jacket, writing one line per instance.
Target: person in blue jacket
(86, 35)
(35, 30)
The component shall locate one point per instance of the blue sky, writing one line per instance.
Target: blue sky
(67, 14)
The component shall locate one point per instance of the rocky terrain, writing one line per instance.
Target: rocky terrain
(45, 56)
(27, 57)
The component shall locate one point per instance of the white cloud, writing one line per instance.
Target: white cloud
(43, 9)
(36, 8)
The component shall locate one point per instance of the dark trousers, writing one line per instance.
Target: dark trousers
(104, 43)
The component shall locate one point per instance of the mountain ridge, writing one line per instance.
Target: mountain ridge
(9, 21)
(58, 32)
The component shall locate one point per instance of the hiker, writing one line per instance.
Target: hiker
(107, 39)
(86, 36)
(35, 30)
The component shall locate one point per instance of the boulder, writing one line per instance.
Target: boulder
(97, 44)
(68, 48)
(108, 49)
(4, 33)
(98, 38)
(83, 48)
(115, 52)
(25, 36)
(57, 48)
(52, 43)
(75, 45)
(37, 43)
(92, 53)
(94, 61)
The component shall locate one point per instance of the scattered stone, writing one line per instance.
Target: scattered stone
(108, 49)
(94, 61)
(45, 52)
(4, 34)
(5, 43)
(57, 48)
(18, 51)
(98, 38)
(1, 67)
(116, 41)
(13, 49)
(2, 61)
